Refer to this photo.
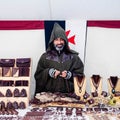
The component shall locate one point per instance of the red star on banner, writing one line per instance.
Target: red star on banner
(70, 39)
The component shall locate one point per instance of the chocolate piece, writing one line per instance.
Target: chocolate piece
(0, 112)
(9, 105)
(86, 95)
(14, 112)
(6, 112)
(101, 105)
(35, 101)
(23, 62)
(89, 109)
(104, 93)
(77, 97)
(79, 111)
(95, 94)
(6, 72)
(25, 83)
(117, 93)
(45, 109)
(23, 93)
(15, 71)
(5, 83)
(1, 95)
(2, 104)
(22, 105)
(104, 109)
(69, 111)
(80, 102)
(11, 83)
(97, 109)
(10, 112)
(62, 96)
(21, 83)
(91, 101)
(7, 62)
(35, 109)
(1, 82)
(41, 113)
(16, 92)
(8, 93)
(3, 111)
(24, 71)
(59, 108)
(18, 83)
(8, 83)
(0, 71)
(73, 95)
(15, 105)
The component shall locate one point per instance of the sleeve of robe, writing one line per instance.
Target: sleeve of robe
(77, 67)
(41, 75)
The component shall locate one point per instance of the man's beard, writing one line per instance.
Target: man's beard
(59, 48)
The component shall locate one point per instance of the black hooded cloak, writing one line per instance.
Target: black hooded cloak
(67, 60)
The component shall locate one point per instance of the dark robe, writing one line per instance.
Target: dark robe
(66, 60)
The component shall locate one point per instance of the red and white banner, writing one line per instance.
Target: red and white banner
(76, 33)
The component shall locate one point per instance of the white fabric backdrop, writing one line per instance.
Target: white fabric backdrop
(102, 53)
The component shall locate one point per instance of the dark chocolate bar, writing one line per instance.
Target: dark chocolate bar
(7, 62)
(23, 62)
(24, 71)
(6, 72)
(15, 71)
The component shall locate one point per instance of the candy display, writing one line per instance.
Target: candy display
(15, 82)
(81, 104)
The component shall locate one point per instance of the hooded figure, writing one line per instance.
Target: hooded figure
(56, 61)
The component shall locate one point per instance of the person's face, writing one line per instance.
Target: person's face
(59, 42)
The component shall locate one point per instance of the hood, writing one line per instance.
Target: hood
(58, 32)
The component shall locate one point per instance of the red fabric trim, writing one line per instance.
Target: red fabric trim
(106, 24)
(27, 25)
(21, 25)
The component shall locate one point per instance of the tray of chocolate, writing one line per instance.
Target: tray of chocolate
(102, 113)
(45, 99)
(72, 113)
(98, 100)
(7, 109)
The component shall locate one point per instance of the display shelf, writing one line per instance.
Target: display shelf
(113, 85)
(14, 78)
(96, 84)
(80, 86)
(19, 81)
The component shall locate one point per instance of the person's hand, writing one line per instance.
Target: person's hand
(63, 74)
(57, 73)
